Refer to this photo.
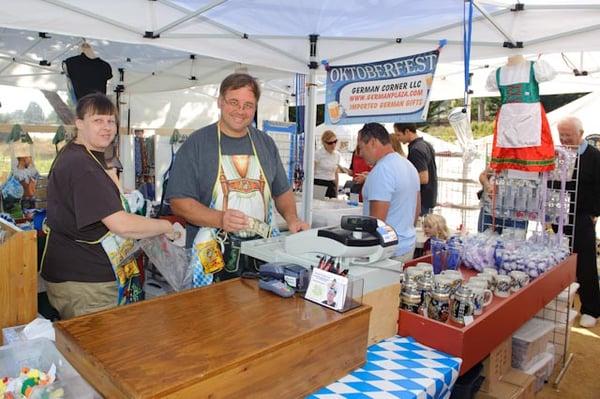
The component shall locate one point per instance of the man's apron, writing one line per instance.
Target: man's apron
(240, 184)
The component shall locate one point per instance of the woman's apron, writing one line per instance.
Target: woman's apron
(522, 137)
(240, 184)
(119, 251)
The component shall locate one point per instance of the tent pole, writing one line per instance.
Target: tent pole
(189, 16)
(494, 23)
(98, 17)
(309, 132)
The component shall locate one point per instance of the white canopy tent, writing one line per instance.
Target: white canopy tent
(274, 34)
(585, 108)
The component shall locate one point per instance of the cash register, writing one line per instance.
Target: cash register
(358, 239)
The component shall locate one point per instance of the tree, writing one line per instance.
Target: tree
(34, 113)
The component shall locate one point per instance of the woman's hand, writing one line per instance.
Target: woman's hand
(173, 235)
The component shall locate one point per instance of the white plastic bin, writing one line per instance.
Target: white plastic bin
(541, 370)
(41, 353)
(529, 341)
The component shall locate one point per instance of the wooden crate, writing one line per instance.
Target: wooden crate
(384, 303)
(228, 340)
(18, 276)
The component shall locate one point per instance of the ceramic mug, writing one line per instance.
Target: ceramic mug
(480, 280)
(455, 276)
(412, 274)
(452, 273)
(426, 268)
(443, 284)
(503, 286)
(491, 279)
(520, 279)
(482, 297)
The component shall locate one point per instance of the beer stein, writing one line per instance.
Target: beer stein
(410, 299)
(462, 305)
(438, 305)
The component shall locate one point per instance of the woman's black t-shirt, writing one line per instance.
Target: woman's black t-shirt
(80, 195)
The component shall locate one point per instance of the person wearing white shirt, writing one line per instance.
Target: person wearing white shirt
(327, 164)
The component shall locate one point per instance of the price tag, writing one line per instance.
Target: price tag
(468, 320)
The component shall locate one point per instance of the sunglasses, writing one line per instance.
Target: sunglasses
(331, 142)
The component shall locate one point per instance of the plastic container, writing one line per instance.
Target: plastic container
(530, 340)
(468, 384)
(41, 354)
(541, 370)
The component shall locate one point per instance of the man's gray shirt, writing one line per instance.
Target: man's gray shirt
(196, 166)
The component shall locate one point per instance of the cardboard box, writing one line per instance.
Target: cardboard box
(384, 304)
(496, 365)
(501, 390)
(522, 380)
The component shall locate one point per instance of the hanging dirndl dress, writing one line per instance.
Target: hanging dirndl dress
(522, 137)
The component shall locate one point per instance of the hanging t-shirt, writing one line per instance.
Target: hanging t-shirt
(88, 75)
(326, 164)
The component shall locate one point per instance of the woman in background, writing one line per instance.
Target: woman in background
(327, 164)
(359, 169)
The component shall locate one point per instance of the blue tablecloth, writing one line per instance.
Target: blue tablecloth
(398, 367)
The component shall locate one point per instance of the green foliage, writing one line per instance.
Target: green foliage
(34, 113)
(446, 133)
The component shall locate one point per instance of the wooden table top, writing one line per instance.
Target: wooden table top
(176, 340)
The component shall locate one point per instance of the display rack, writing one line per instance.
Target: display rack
(499, 321)
(554, 196)
(457, 190)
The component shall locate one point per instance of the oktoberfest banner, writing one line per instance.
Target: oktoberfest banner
(394, 90)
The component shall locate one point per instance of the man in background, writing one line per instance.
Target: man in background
(570, 131)
(422, 155)
(391, 190)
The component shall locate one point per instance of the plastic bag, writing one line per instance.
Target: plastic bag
(172, 262)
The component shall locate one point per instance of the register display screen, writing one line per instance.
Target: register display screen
(387, 233)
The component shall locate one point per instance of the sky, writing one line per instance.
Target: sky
(15, 98)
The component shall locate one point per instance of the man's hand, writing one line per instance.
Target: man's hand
(234, 220)
(360, 177)
(297, 225)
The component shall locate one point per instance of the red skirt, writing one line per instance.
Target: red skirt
(530, 159)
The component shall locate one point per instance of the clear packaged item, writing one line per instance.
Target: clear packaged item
(172, 262)
(41, 354)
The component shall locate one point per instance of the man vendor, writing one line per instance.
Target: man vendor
(228, 179)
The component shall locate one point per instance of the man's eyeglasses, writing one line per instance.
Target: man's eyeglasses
(236, 104)
(331, 142)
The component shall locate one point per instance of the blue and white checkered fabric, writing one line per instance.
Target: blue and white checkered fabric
(397, 368)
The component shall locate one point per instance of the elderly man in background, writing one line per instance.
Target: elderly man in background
(570, 132)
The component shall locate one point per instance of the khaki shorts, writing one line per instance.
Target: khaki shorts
(73, 298)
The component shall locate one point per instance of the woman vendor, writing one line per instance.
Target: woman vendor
(89, 225)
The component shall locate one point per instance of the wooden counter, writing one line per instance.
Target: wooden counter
(18, 276)
(226, 340)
